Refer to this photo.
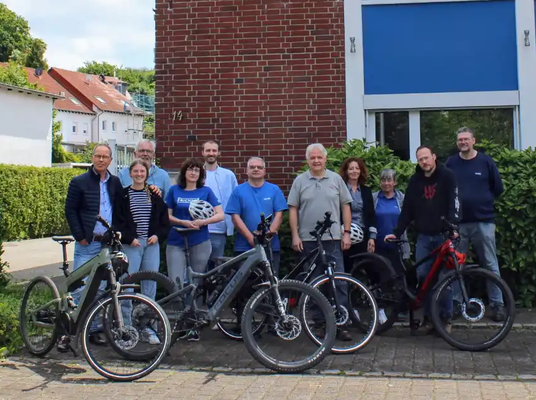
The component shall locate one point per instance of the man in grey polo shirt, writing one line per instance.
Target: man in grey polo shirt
(312, 194)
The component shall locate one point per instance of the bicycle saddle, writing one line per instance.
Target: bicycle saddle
(63, 239)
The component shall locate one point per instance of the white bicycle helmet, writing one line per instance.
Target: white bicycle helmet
(356, 233)
(200, 209)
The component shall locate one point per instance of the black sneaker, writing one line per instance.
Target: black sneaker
(63, 345)
(343, 335)
(193, 336)
(498, 313)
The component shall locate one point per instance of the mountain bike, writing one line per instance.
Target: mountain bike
(351, 300)
(46, 315)
(392, 292)
(285, 307)
(355, 308)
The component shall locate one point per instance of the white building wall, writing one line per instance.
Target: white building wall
(128, 128)
(82, 122)
(25, 129)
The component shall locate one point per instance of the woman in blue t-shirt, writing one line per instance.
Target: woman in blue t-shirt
(190, 187)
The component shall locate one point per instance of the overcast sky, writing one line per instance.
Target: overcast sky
(120, 32)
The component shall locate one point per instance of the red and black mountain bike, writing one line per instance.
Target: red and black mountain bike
(471, 327)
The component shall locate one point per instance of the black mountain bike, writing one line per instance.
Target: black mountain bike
(46, 316)
(286, 307)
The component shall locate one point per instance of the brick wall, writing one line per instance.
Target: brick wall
(263, 77)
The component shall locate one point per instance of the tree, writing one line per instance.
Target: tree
(14, 74)
(59, 154)
(96, 68)
(16, 43)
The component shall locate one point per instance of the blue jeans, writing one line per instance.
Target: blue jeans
(333, 253)
(145, 258)
(217, 240)
(482, 236)
(425, 245)
(83, 254)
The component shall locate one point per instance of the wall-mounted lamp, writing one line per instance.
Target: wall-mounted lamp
(527, 40)
(352, 45)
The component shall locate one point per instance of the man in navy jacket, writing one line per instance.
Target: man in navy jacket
(90, 194)
(479, 183)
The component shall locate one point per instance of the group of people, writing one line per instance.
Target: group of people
(143, 204)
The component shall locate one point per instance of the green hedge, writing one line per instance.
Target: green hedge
(32, 201)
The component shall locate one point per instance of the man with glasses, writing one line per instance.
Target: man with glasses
(248, 201)
(90, 194)
(479, 184)
(158, 178)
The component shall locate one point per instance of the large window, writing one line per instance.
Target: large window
(438, 128)
(392, 129)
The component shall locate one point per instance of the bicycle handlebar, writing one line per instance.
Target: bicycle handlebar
(322, 226)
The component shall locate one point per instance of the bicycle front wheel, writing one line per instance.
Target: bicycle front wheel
(280, 345)
(39, 312)
(471, 325)
(356, 315)
(146, 331)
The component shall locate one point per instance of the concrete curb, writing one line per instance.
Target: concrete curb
(311, 372)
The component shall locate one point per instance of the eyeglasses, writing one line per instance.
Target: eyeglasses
(256, 167)
(98, 157)
(146, 151)
(194, 170)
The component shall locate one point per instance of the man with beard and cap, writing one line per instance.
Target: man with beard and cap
(480, 183)
(432, 193)
(222, 182)
(158, 178)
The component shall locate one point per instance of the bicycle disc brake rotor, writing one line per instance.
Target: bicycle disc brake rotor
(128, 338)
(473, 310)
(341, 315)
(289, 329)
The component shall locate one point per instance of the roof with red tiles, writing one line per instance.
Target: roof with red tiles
(70, 103)
(97, 93)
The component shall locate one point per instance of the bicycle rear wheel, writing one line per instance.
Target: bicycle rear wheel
(139, 313)
(471, 329)
(39, 312)
(292, 352)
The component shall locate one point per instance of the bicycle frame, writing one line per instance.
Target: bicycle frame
(250, 259)
(442, 252)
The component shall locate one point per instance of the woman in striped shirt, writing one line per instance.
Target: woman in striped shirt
(142, 218)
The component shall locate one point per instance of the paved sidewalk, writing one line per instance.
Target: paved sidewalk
(20, 381)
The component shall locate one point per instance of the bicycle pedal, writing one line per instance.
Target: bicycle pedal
(415, 324)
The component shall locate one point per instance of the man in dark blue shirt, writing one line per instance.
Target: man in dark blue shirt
(479, 183)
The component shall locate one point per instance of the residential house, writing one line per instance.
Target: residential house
(115, 115)
(74, 116)
(26, 126)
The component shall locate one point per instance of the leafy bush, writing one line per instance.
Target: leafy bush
(10, 338)
(32, 201)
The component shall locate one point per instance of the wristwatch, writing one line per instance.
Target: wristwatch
(347, 231)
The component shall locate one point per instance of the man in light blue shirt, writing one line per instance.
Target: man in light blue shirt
(158, 178)
(222, 182)
(246, 204)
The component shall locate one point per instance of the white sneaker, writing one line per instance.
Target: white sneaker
(148, 335)
(381, 316)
